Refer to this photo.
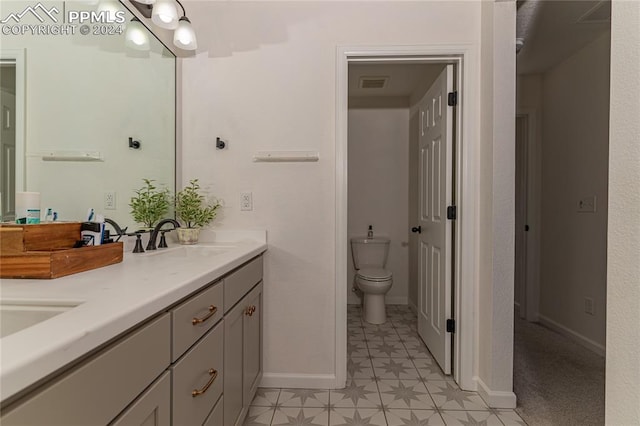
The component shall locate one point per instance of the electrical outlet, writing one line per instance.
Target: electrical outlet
(246, 201)
(110, 200)
(589, 306)
(587, 204)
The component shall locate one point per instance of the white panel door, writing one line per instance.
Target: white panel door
(7, 154)
(435, 194)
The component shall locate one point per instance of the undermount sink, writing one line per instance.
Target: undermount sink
(16, 316)
(194, 251)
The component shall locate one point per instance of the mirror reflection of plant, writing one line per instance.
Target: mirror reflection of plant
(192, 208)
(150, 204)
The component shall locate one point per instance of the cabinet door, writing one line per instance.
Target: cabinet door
(96, 391)
(151, 408)
(252, 344)
(215, 418)
(233, 364)
(197, 380)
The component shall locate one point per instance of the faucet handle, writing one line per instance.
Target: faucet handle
(163, 240)
(138, 248)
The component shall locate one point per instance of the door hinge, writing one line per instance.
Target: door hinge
(452, 99)
(452, 213)
(451, 326)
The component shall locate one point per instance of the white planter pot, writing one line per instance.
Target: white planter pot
(188, 236)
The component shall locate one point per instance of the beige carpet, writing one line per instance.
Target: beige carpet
(557, 381)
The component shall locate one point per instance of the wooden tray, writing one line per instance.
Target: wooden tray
(43, 236)
(45, 251)
(59, 263)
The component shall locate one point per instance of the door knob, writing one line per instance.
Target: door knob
(417, 229)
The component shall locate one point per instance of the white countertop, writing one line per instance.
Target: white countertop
(112, 300)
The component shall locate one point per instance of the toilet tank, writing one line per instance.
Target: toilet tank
(369, 252)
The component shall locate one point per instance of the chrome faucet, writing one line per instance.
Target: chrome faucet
(154, 234)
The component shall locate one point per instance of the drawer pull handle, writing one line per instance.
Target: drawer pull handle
(214, 374)
(250, 310)
(212, 312)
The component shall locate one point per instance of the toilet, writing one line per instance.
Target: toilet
(369, 259)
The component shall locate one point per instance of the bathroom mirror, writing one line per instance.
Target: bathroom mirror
(86, 113)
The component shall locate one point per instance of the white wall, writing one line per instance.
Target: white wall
(88, 93)
(264, 78)
(575, 140)
(496, 218)
(378, 188)
(622, 401)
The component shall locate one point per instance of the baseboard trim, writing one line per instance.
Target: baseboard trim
(393, 300)
(412, 306)
(495, 399)
(298, 381)
(396, 300)
(575, 336)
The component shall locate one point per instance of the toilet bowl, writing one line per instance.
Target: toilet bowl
(372, 279)
(374, 284)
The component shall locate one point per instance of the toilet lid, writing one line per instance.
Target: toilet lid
(375, 274)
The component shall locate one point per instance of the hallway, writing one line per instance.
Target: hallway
(392, 381)
(557, 381)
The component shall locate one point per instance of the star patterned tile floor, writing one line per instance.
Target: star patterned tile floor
(392, 381)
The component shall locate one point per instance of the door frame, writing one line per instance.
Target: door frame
(18, 57)
(534, 176)
(467, 178)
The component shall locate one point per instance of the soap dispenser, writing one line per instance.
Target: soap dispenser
(370, 232)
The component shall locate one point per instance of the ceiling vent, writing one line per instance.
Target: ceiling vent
(598, 14)
(373, 82)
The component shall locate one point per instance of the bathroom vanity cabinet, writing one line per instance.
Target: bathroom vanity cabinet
(198, 362)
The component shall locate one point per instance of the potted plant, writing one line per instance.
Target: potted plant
(150, 204)
(193, 210)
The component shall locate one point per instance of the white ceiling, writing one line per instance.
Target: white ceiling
(404, 79)
(552, 30)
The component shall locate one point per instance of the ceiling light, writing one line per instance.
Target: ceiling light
(136, 36)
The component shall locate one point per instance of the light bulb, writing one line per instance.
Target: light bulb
(184, 37)
(165, 14)
(109, 8)
(136, 36)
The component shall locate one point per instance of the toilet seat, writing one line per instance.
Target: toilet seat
(374, 274)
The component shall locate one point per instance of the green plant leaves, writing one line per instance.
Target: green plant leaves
(150, 204)
(192, 207)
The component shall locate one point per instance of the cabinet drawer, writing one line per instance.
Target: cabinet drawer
(240, 282)
(98, 390)
(199, 367)
(192, 319)
(152, 408)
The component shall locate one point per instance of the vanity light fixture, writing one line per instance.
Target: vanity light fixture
(136, 36)
(164, 14)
